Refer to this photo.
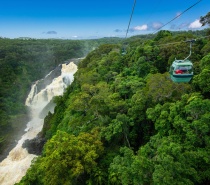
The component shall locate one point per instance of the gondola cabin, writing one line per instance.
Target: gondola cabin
(181, 71)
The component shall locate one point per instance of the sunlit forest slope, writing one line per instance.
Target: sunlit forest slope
(123, 121)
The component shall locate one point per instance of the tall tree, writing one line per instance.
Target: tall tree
(205, 20)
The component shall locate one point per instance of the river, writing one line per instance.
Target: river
(15, 165)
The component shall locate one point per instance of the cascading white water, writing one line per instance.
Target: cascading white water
(14, 167)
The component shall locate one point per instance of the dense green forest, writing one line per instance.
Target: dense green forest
(23, 61)
(123, 121)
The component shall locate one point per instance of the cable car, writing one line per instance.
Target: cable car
(181, 71)
(123, 51)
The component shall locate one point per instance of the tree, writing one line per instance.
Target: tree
(160, 88)
(161, 34)
(118, 129)
(205, 20)
(120, 171)
(67, 159)
(178, 151)
(202, 80)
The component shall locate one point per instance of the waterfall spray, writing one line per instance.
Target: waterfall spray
(14, 167)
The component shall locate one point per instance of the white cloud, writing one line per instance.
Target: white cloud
(195, 24)
(157, 25)
(140, 28)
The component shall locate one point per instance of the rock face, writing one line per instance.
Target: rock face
(34, 146)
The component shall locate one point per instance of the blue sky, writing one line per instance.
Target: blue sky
(81, 19)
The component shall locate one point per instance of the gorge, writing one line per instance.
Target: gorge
(15, 165)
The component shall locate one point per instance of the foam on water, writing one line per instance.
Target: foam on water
(14, 167)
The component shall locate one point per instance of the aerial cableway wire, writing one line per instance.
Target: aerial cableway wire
(179, 42)
(134, 4)
(177, 16)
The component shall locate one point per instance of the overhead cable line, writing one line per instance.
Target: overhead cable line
(203, 37)
(173, 43)
(134, 4)
(177, 16)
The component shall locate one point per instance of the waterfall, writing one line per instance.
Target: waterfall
(15, 165)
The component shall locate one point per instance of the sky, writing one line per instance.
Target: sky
(83, 19)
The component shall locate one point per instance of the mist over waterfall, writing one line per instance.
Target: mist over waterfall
(14, 167)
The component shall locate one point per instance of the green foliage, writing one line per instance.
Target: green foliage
(66, 159)
(123, 121)
(205, 19)
(160, 88)
(177, 153)
(206, 49)
(121, 170)
(184, 123)
(202, 80)
(205, 62)
(161, 34)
